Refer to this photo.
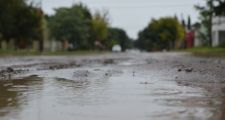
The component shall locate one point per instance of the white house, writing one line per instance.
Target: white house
(218, 31)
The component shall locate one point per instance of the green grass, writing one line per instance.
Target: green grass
(207, 51)
(35, 53)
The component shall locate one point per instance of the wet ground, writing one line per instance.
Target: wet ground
(120, 86)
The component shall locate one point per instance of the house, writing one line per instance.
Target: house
(218, 31)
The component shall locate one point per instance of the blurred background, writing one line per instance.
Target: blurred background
(51, 26)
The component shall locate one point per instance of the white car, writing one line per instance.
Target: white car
(116, 48)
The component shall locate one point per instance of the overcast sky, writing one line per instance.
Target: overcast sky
(132, 15)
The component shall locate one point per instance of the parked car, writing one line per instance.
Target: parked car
(116, 48)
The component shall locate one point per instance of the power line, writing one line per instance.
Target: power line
(143, 6)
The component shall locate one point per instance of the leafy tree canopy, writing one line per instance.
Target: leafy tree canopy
(100, 24)
(160, 34)
(19, 20)
(119, 36)
(72, 24)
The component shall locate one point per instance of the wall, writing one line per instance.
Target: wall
(218, 28)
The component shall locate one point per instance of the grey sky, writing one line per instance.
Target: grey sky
(132, 15)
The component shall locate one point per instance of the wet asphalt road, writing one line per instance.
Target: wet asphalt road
(117, 86)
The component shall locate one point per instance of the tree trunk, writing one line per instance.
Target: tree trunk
(41, 46)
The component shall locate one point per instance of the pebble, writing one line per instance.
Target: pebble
(145, 83)
(10, 70)
(189, 69)
(108, 61)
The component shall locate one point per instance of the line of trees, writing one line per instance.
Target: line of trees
(160, 34)
(20, 22)
(165, 32)
(85, 31)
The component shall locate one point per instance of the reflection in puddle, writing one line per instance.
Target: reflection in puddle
(79, 92)
(103, 94)
(14, 93)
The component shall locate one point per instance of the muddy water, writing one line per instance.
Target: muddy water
(126, 90)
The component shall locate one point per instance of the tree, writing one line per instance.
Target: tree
(212, 7)
(100, 23)
(206, 13)
(118, 36)
(28, 26)
(183, 22)
(160, 34)
(72, 24)
(219, 8)
(189, 23)
(19, 21)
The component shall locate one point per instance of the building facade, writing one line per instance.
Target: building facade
(218, 31)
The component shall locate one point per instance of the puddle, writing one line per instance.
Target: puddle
(114, 91)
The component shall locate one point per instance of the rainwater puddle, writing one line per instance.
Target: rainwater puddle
(101, 96)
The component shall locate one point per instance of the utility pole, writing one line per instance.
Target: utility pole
(210, 2)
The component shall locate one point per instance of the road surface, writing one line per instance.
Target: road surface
(116, 86)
